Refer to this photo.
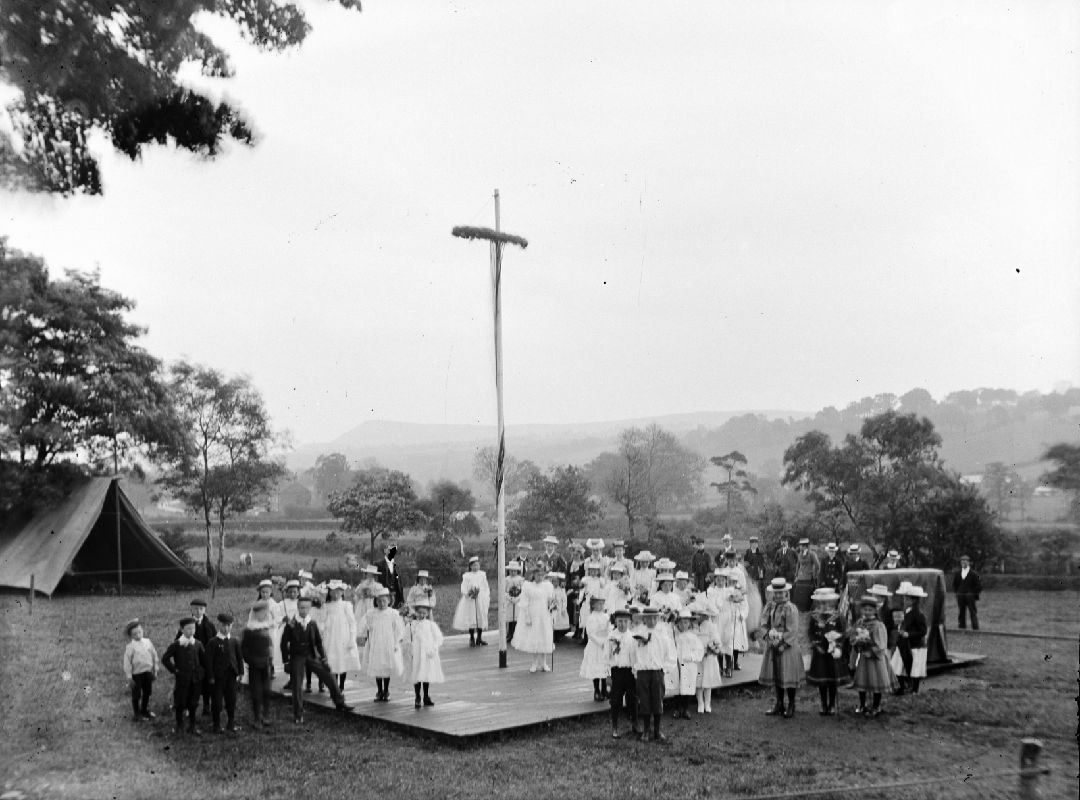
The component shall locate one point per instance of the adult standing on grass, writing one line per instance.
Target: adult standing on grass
(472, 609)
(782, 667)
(855, 562)
(807, 570)
(390, 578)
(754, 560)
(967, 585)
(534, 633)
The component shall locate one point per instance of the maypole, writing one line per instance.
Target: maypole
(497, 239)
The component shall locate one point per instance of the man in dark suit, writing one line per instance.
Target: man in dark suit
(301, 648)
(389, 577)
(855, 561)
(967, 586)
(700, 566)
(832, 569)
(224, 667)
(186, 660)
(786, 561)
(555, 562)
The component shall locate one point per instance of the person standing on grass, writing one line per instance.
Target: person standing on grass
(621, 657)
(807, 569)
(256, 647)
(786, 560)
(301, 650)
(967, 586)
(655, 655)
(141, 666)
(186, 660)
(420, 641)
(288, 609)
(871, 673)
(909, 659)
(472, 609)
(339, 631)
(225, 667)
(782, 666)
(708, 677)
(204, 633)
(534, 634)
(826, 633)
(555, 562)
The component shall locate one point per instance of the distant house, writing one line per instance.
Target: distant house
(1045, 491)
(971, 480)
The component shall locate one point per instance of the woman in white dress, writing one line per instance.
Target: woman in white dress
(364, 593)
(472, 609)
(276, 612)
(339, 632)
(534, 631)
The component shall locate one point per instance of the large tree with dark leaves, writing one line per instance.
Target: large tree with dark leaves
(77, 393)
(113, 65)
(890, 486)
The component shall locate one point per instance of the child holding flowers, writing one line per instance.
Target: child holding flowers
(826, 632)
(869, 657)
(708, 677)
(471, 613)
(782, 666)
(423, 591)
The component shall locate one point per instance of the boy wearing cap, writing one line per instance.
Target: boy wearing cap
(967, 586)
(655, 654)
(204, 634)
(621, 656)
(225, 666)
(257, 646)
(302, 649)
(782, 667)
(185, 658)
(472, 609)
(140, 668)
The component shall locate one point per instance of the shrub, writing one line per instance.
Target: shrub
(442, 561)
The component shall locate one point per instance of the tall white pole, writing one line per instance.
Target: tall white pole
(500, 490)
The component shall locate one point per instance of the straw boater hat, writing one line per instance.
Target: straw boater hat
(779, 585)
(592, 566)
(594, 544)
(473, 558)
(831, 547)
(553, 574)
(618, 543)
(853, 547)
(422, 603)
(550, 540)
(514, 565)
(718, 572)
(755, 539)
(371, 569)
(649, 611)
(868, 600)
(620, 612)
(617, 567)
(665, 576)
(908, 590)
(292, 583)
(665, 565)
(380, 591)
(682, 575)
(131, 625)
(686, 613)
(803, 541)
(644, 555)
(596, 600)
(524, 546)
(267, 583)
(422, 573)
(304, 575)
(824, 595)
(881, 590)
(892, 554)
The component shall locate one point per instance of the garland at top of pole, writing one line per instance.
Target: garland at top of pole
(489, 234)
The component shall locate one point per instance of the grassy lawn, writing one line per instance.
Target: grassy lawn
(64, 712)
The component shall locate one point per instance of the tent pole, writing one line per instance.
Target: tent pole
(119, 554)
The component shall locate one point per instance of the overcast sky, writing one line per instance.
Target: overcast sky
(728, 205)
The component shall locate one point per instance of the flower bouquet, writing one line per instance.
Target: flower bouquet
(553, 605)
(775, 639)
(514, 591)
(474, 592)
(833, 637)
(643, 599)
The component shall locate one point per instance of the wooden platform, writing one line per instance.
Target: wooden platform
(479, 699)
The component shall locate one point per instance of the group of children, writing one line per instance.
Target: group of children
(310, 631)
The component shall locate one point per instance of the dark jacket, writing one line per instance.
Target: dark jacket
(972, 584)
(298, 643)
(755, 565)
(255, 646)
(832, 573)
(914, 625)
(223, 655)
(188, 664)
(205, 630)
(392, 581)
(700, 564)
(786, 564)
(858, 565)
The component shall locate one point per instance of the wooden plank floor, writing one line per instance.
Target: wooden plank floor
(479, 699)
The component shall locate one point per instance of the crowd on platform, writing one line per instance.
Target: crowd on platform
(652, 633)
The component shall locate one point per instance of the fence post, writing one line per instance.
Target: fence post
(1030, 750)
(31, 594)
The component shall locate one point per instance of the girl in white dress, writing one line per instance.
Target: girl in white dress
(733, 609)
(560, 619)
(534, 633)
(709, 668)
(423, 591)
(594, 663)
(471, 613)
(592, 585)
(421, 641)
(339, 632)
(276, 612)
(364, 593)
(643, 578)
(619, 591)
(380, 635)
(690, 652)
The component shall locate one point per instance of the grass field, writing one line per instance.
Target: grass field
(64, 714)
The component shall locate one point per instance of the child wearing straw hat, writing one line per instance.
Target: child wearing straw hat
(534, 635)
(421, 641)
(782, 667)
(644, 576)
(339, 631)
(689, 652)
(560, 617)
(511, 598)
(621, 657)
(909, 659)
(826, 633)
(592, 585)
(379, 632)
(655, 656)
(869, 657)
(364, 593)
(594, 662)
(472, 609)
(708, 677)
(422, 590)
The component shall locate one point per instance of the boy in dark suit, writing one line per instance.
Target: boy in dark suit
(967, 585)
(186, 660)
(224, 667)
(302, 648)
(204, 632)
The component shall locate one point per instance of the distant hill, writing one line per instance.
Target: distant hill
(977, 427)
